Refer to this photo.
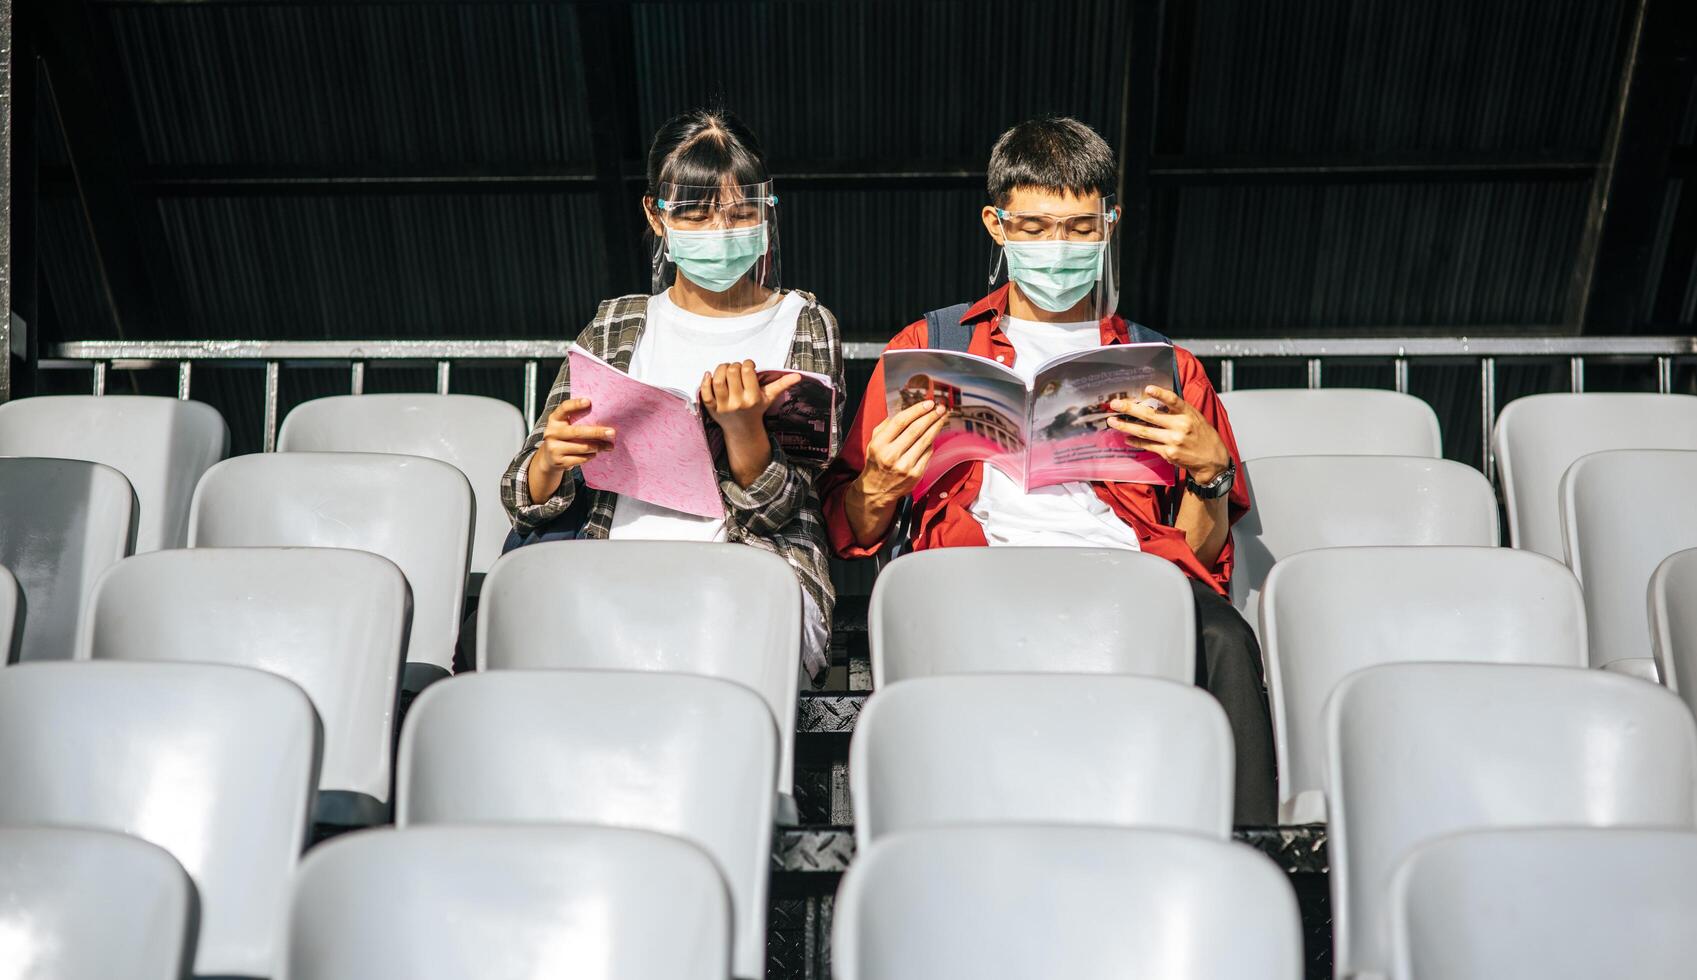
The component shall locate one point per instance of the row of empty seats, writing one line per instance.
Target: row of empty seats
(1016, 822)
(1096, 750)
(165, 447)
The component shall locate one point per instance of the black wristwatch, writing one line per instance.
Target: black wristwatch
(1216, 488)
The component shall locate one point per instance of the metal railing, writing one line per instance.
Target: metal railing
(99, 357)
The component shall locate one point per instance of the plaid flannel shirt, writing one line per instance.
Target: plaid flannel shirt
(778, 512)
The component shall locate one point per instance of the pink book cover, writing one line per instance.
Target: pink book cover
(660, 453)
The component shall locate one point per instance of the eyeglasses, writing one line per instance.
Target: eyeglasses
(744, 212)
(1034, 226)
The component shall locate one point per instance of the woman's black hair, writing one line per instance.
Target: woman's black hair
(704, 148)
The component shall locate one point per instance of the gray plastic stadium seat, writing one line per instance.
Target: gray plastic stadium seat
(1673, 623)
(719, 610)
(62, 523)
(1299, 503)
(1331, 421)
(1537, 438)
(161, 445)
(1041, 748)
(473, 433)
(416, 512)
(92, 905)
(1418, 751)
(1055, 614)
(1084, 903)
(689, 756)
(331, 620)
(1614, 543)
(1328, 613)
(215, 764)
(1561, 904)
(11, 616)
(588, 903)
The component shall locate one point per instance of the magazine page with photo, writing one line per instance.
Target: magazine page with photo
(1070, 436)
(802, 419)
(1054, 432)
(986, 402)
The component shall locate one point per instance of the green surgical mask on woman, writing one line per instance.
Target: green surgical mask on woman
(1053, 274)
(716, 259)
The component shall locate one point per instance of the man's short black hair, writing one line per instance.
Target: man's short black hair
(1053, 153)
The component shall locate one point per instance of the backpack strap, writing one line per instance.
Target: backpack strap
(1140, 334)
(944, 331)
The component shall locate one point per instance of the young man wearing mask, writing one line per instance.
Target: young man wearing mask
(1053, 220)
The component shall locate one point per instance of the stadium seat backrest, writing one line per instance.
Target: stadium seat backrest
(62, 523)
(1538, 437)
(1673, 622)
(1418, 751)
(719, 610)
(331, 620)
(1299, 503)
(1085, 903)
(589, 903)
(215, 764)
(684, 755)
(1616, 534)
(416, 512)
(92, 905)
(1041, 748)
(161, 445)
(1328, 613)
(1331, 421)
(476, 434)
(1020, 610)
(11, 616)
(1558, 904)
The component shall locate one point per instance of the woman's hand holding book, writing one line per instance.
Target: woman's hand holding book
(733, 395)
(565, 446)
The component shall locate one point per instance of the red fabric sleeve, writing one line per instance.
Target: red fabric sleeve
(1199, 393)
(849, 462)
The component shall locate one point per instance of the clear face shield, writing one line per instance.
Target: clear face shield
(1061, 259)
(715, 236)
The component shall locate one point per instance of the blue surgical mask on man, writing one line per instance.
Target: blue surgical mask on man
(1055, 274)
(718, 258)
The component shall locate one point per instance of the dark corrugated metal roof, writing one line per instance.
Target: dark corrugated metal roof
(1305, 77)
(887, 86)
(884, 82)
(1419, 258)
(320, 84)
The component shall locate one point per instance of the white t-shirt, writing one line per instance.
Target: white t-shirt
(1068, 515)
(677, 347)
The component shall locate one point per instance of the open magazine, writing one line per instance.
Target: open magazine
(667, 443)
(1053, 431)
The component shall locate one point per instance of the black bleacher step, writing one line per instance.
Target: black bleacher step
(829, 849)
(828, 712)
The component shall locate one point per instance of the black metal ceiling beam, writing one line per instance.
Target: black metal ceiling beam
(372, 3)
(1145, 171)
(87, 92)
(1614, 262)
(1339, 168)
(209, 181)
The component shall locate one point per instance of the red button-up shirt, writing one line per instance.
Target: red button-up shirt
(943, 516)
